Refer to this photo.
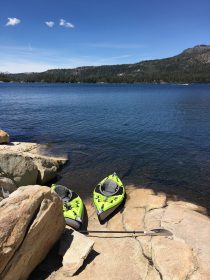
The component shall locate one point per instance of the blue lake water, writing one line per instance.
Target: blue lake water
(152, 135)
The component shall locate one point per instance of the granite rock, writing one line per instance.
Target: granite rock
(26, 164)
(31, 221)
(184, 255)
(4, 137)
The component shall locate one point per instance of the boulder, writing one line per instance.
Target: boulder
(31, 221)
(74, 248)
(47, 168)
(4, 137)
(21, 169)
(26, 165)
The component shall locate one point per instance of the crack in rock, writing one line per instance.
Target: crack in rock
(146, 258)
(151, 265)
(145, 212)
(152, 254)
(123, 222)
(196, 267)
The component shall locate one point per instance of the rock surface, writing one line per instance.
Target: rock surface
(31, 221)
(7, 186)
(194, 229)
(74, 248)
(21, 169)
(24, 164)
(184, 256)
(4, 137)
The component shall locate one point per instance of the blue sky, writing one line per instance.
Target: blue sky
(97, 32)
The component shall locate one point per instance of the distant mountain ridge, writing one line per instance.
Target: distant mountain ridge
(199, 49)
(190, 66)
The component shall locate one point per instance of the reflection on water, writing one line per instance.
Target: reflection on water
(156, 135)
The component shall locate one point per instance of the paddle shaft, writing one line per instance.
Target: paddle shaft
(143, 232)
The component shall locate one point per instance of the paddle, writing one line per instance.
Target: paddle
(152, 232)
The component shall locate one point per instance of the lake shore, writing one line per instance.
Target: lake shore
(185, 254)
(50, 167)
(151, 135)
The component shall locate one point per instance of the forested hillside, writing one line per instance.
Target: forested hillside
(191, 66)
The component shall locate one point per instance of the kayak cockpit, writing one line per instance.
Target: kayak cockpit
(109, 187)
(108, 195)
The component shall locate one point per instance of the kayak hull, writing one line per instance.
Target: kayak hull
(73, 223)
(103, 215)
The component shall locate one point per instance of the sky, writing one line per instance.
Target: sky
(38, 35)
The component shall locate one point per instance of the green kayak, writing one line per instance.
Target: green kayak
(73, 207)
(108, 195)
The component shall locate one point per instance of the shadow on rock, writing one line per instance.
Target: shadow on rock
(93, 254)
(51, 263)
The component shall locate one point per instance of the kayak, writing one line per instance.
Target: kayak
(108, 195)
(73, 207)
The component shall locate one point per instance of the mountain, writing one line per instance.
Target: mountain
(190, 66)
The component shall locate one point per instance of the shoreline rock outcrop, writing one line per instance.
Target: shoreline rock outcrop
(24, 164)
(31, 221)
(185, 255)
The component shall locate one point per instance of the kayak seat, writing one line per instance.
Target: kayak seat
(109, 187)
(64, 193)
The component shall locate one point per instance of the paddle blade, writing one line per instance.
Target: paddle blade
(161, 232)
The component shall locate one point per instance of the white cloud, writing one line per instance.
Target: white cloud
(66, 24)
(13, 21)
(49, 23)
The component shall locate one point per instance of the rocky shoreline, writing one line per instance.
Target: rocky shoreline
(23, 164)
(185, 255)
(35, 244)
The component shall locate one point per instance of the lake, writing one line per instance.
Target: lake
(152, 135)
